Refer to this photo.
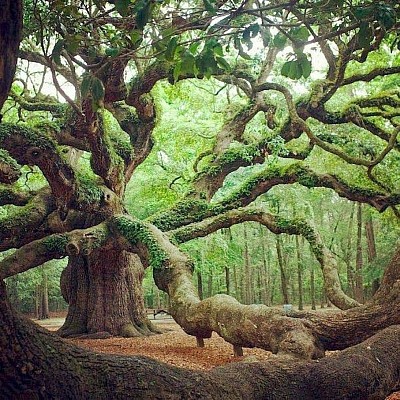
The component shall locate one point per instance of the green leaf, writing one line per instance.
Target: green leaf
(187, 63)
(209, 7)
(112, 51)
(305, 65)
(286, 68)
(72, 43)
(365, 34)
(57, 49)
(143, 15)
(362, 12)
(193, 47)
(280, 41)
(97, 90)
(300, 33)
(177, 71)
(170, 51)
(122, 6)
(86, 85)
(295, 71)
(223, 63)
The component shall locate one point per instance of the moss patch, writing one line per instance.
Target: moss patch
(135, 232)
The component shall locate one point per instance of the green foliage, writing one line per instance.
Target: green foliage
(136, 232)
(55, 243)
(89, 192)
(185, 210)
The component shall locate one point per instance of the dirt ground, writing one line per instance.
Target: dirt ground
(173, 346)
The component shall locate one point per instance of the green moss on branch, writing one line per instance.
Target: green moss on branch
(136, 232)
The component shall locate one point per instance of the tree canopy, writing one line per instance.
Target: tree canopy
(300, 93)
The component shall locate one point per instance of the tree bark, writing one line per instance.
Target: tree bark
(371, 249)
(10, 35)
(247, 269)
(299, 274)
(105, 295)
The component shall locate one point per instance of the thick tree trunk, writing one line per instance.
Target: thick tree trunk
(105, 295)
(299, 274)
(34, 364)
(10, 33)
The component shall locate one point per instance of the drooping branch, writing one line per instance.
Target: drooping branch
(37, 252)
(298, 173)
(276, 225)
(241, 325)
(39, 103)
(194, 210)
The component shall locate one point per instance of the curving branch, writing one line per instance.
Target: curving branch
(277, 225)
(37, 252)
(139, 133)
(297, 173)
(369, 76)
(29, 147)
(241, 325)
(39, 103)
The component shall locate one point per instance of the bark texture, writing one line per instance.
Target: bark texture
(10, 35)
(105, 295)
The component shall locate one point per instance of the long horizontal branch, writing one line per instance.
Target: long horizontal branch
(297, 173)
(241, 325)
(374, 366)
(39, 104)
(38, 58)
(371, 75)
(33, 254)
(191, 210)
(276, 225)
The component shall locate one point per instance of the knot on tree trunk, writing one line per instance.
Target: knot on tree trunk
(33, 155)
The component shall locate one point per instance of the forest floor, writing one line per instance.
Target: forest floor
(173, 346)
